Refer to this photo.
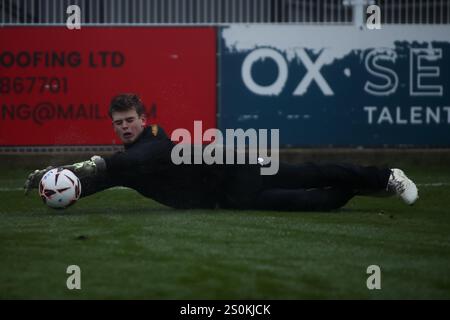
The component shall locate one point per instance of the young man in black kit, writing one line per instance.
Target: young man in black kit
(146, 166)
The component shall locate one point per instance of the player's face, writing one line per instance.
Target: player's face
(128, 125)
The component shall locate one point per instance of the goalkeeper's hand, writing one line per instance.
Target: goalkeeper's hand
(94, 166)
(34, 178)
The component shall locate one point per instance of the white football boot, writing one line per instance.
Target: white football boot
(402, 186)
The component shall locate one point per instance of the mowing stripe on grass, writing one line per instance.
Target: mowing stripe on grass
(434, 184)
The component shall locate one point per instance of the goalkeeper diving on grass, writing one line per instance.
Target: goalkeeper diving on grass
(146, 166)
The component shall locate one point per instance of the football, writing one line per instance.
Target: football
(59, 188)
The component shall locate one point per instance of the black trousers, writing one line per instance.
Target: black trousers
(318, 187)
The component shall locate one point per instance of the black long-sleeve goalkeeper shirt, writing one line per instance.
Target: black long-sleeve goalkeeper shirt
(146, 166)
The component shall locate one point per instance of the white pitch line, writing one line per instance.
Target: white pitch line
(21, 189)
(434, 184)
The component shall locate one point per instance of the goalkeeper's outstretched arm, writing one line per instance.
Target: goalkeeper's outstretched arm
(92, 174)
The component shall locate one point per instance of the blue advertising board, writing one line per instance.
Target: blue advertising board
(337, 85)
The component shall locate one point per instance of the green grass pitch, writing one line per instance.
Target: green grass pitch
(129, 247)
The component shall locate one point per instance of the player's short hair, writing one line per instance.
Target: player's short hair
(125, 102)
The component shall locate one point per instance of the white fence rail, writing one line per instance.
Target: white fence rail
(218, 12)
